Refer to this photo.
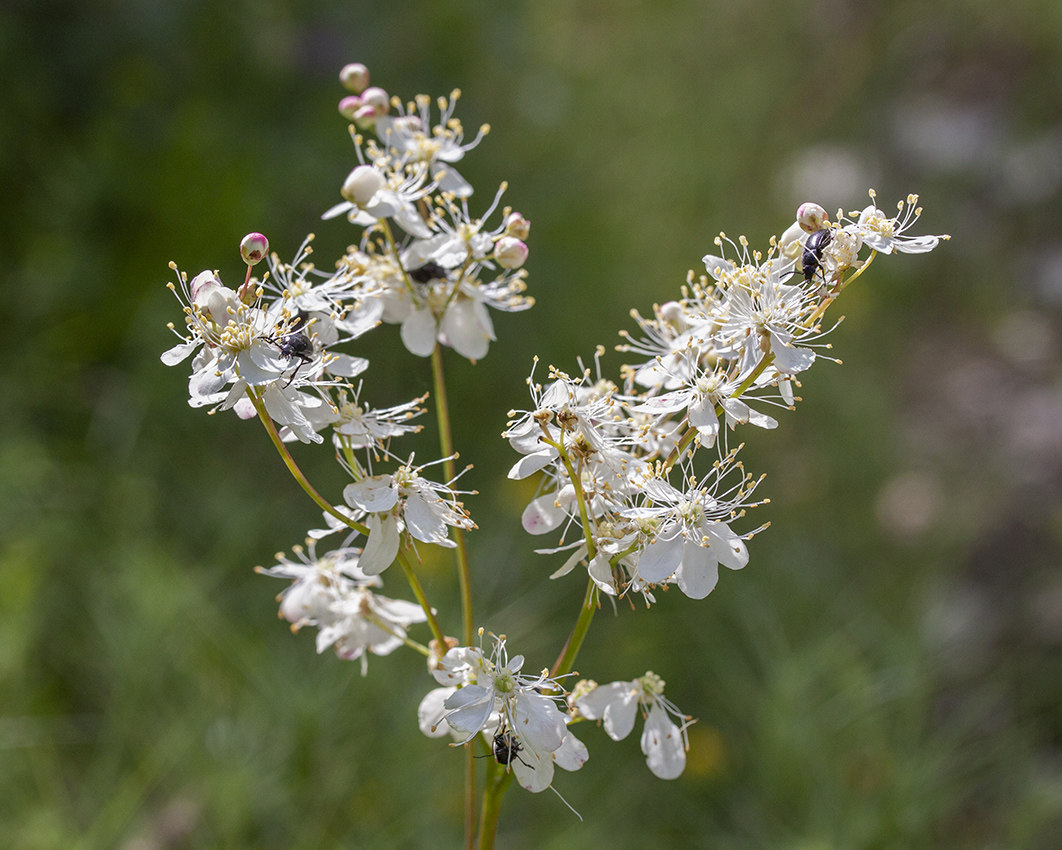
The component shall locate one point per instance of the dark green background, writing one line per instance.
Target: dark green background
(885, 673)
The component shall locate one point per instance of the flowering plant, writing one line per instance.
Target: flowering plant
(638, 475)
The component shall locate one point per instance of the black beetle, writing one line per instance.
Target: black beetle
(431, 270)
(811, 259)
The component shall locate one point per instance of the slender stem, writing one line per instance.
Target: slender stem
(580, 496)
(418, 591)
(324, 504)
(566, 660)
(293, 467)
(470, 799)
(497, 784)
(446, 444)
(383, 626)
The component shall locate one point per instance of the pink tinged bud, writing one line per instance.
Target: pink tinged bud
(378, 99)
(365, 117)
(349, 106)
(518, 226)
(510, 252)
(354, 77)
(811, 217)
(361, 184)
(253, 248)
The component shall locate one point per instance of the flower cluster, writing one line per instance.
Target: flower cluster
(616, 461)
(621, 470)
(333, 593)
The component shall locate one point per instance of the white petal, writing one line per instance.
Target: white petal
(179, 352)
(450, 181)
(430, 713)
(538, 722)
(542, 515)
(698, 574)
(422, 522)
(464, 331)
(663, 745)
(378, 494)
(531, 464)
(572, 754)
(382, 545)
(533, 769)
(346, 366)
(418, 332)
(660, 559)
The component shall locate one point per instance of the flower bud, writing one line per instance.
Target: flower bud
(354, 77)
(518, 226)
(378, 99)
(365, 117)
(811, 217)
(253, 248)
(510, 252)
(349, 106)
(361, 184)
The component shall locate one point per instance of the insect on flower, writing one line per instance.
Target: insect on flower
(811, 259)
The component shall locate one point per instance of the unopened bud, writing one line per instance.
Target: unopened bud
(349, 106)
(253, 248)
(361, 184)
(510, 253)
(354, 77)
(365, 117)
(811, 217)
(378, 99)
(518, 226)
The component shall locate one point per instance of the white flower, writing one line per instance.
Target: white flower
(663, 741)
(408, 136)
(690, 533)
(375, 192)
(886, 235)
(406, 501)
(333, 593)
(246, 348)
(493, 697)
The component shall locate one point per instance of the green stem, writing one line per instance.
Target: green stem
(580, 496)
(446, 444)
(497, 785)
(418, 591)
(470, 799)
(383, 626)
(566, 660)
(293, 467)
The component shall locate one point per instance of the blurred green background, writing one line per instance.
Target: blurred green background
(886, 672)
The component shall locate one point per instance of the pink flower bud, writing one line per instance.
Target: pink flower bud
(518, 226)
(365, 116)
(378, 99)
(253, 248)
(354, 77)
(361, 184)
(349, 106)
(510, 253)
(811, 217)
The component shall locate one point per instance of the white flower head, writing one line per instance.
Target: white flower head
(494, 697)
(404, 501)
(332, 592)
(887, 234)
(616, 705)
